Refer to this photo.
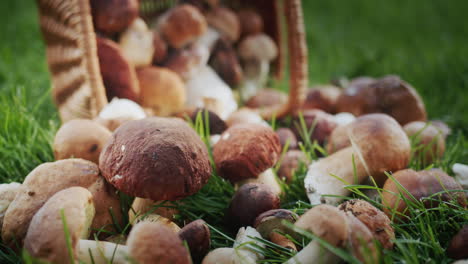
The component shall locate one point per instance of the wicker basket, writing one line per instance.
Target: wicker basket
(78, 88)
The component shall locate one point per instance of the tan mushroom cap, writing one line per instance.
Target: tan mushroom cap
(46, 237)
(428, 139)
(80, 138)
(389, 95)
(153, 243)
(49, 178)
(8, 193)
(156, 158)
(420, 184)
(182, 25)
(246, 150)
(113, 16)
(244, 115)
(258, 47)
(267, 98)
(225, 21)
(162, 90)
(324, 97)
(377, 221)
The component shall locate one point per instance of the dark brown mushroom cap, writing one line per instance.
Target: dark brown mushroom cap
(216, 124)
(290, 162)
(267, 98)
(80, 138)
(322, 97)
(248, 202)
(225, 62)
(459, 244)
(246, 150)
(46, 239)
(428, 141)
(156, 158)
(389, 95)
(420, 185)
(160, 48)
(154, 243)
(377, 221)
(118, 75)
(113, 16)
(272, 220)
(250, 21)
(197, 234)
(287, 135)
(322, 123)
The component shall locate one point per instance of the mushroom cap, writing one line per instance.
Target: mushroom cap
(322, 97)
(248, 202)
(322, 125)
(245, 115)
(46, 180)
(80, 138)
(361, 241)
(182, 25)
(286, 135)
(154, 243)
(225, 62)
(136, 43)
(8, 193)
(420, 184)
(459, 244)
(222, 255)
(266, 223)
(156, 158)
(339, 138)
(46, 238)
(246, 150)
(155, 218)
(258, 47)
(429, 141)
(162, 90)
(225, 21)
(187, 62)
(377, 221)
(197, 234)
(267, 98)
(251, 22)
(326, 222)
(215, 123)
(290, 162)
(117, 73)
(113, 16)
(142, 206)
(389, 95)
(442, 127)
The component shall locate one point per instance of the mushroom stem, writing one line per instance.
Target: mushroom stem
(313, 253)
(257, 74)
(244, 239)
(282, 241)
(99, 252)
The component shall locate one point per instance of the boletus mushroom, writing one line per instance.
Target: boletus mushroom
(289, 164)
(8, 193)
(197, 235)
(136, 43)
(271, 222)
(323, 97)
(428, 141)
(113, 16)
(459, 244)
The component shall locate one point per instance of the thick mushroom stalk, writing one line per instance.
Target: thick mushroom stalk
(378, 145)
(100, 252)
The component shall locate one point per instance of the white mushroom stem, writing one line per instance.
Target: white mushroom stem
(98, 252)
(267, 177)
(256, 76)
(208, 39)
(122, 108)
(461, 174)
(313, 253)
(243, 244)
(344, 118)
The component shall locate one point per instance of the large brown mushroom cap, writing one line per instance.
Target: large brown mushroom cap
(113, 16)
(389, 95)
(246, 150)
(428, 140)
(162, 90)
(156, 158)
(46, 237)
(80, 138)
(154, 243)
(420, 185)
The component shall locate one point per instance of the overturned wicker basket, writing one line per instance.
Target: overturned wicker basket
(77, 84)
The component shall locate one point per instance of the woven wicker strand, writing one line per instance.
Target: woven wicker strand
(77, 85)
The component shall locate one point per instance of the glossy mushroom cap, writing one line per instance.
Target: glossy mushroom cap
(250, 201)
(377, 221)
(154, 243)
(266, 98)
(246, 150)
(162, 90)
(389, 95)
(46, 239)
(428, 141)
(258, 47)
(250, 21)
(420, 184)
(113, 16)
(459, 244)
(156, 158)
(197, 234)
(225, 21)
(322, 97)
(117, 73)
(80, 138)
(182, 25)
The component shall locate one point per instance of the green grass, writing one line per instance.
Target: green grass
(422, 41)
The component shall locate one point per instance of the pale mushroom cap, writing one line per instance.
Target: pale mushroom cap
(258, 47)
(221, 255)
(80, 138)
(153, 243)
(162, 90)
(8, 193)
(136, 43)
(46, 237)
(245, 115)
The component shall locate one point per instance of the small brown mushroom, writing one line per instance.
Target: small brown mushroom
(156, 158)
(80, 138)
(136, 43)
(459, 244)
(318, 123)
(162, 90)
(322, 97)
(267, 98)
(225, 21)
(215, 123)
(287, 136)
(250, 201)
(269, 223)
(428, 141)
(113, 16)
(250, 21)
(290, 162)
(197, 235)
(225, 62)
(420, 185)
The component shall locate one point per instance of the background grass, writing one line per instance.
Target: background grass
(425, 42)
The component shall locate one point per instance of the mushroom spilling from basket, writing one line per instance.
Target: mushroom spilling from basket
(187, 90)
